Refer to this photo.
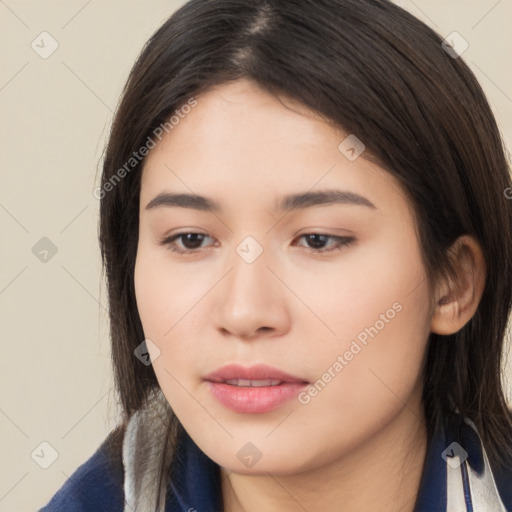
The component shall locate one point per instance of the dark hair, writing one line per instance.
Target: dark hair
(379, 73)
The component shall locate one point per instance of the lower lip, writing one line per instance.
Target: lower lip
(254, 400)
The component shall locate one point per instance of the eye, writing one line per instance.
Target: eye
(191, 242)
(318, 241)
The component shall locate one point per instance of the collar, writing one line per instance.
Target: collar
(457, 475)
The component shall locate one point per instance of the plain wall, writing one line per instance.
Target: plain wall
(55, 375)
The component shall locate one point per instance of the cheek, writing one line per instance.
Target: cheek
(379, 310)
(164, 293)
(357, 394)
(381, 284)
(170, 305)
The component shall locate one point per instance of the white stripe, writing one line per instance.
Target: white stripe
(142, 455)
(484, 493)
(454, 489)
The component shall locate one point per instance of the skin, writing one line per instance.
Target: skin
(361, 440)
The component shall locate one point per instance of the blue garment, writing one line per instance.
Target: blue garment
(97, 485)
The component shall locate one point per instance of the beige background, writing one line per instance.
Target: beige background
(55, 376)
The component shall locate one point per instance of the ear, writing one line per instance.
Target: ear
(456, 301)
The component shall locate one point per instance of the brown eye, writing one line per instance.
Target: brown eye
(190, 242)
(317, 241)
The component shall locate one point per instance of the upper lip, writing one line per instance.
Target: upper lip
(257, 372)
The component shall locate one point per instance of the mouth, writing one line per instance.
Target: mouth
(255, 389)
(246, 383)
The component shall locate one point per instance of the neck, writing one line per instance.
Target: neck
(382, 474)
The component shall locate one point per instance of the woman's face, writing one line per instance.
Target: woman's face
(267, 281)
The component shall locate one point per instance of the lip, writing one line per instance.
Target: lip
(253, 400)
(256, 372)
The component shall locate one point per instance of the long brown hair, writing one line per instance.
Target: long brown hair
(378, 72)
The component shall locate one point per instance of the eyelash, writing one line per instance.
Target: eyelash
(341, 242)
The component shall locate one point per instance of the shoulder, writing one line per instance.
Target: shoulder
(96, 485)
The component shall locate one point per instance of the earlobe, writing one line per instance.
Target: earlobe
(457, 299)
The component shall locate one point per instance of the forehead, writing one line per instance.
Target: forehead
(243, 143)
(240, 115)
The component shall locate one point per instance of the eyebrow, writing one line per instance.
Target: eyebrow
(286, 203)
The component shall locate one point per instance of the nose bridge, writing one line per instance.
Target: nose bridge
(250, 277)
(251, 296)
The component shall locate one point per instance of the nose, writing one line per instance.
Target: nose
(251, 301)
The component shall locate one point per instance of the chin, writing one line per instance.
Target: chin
(278, 464)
